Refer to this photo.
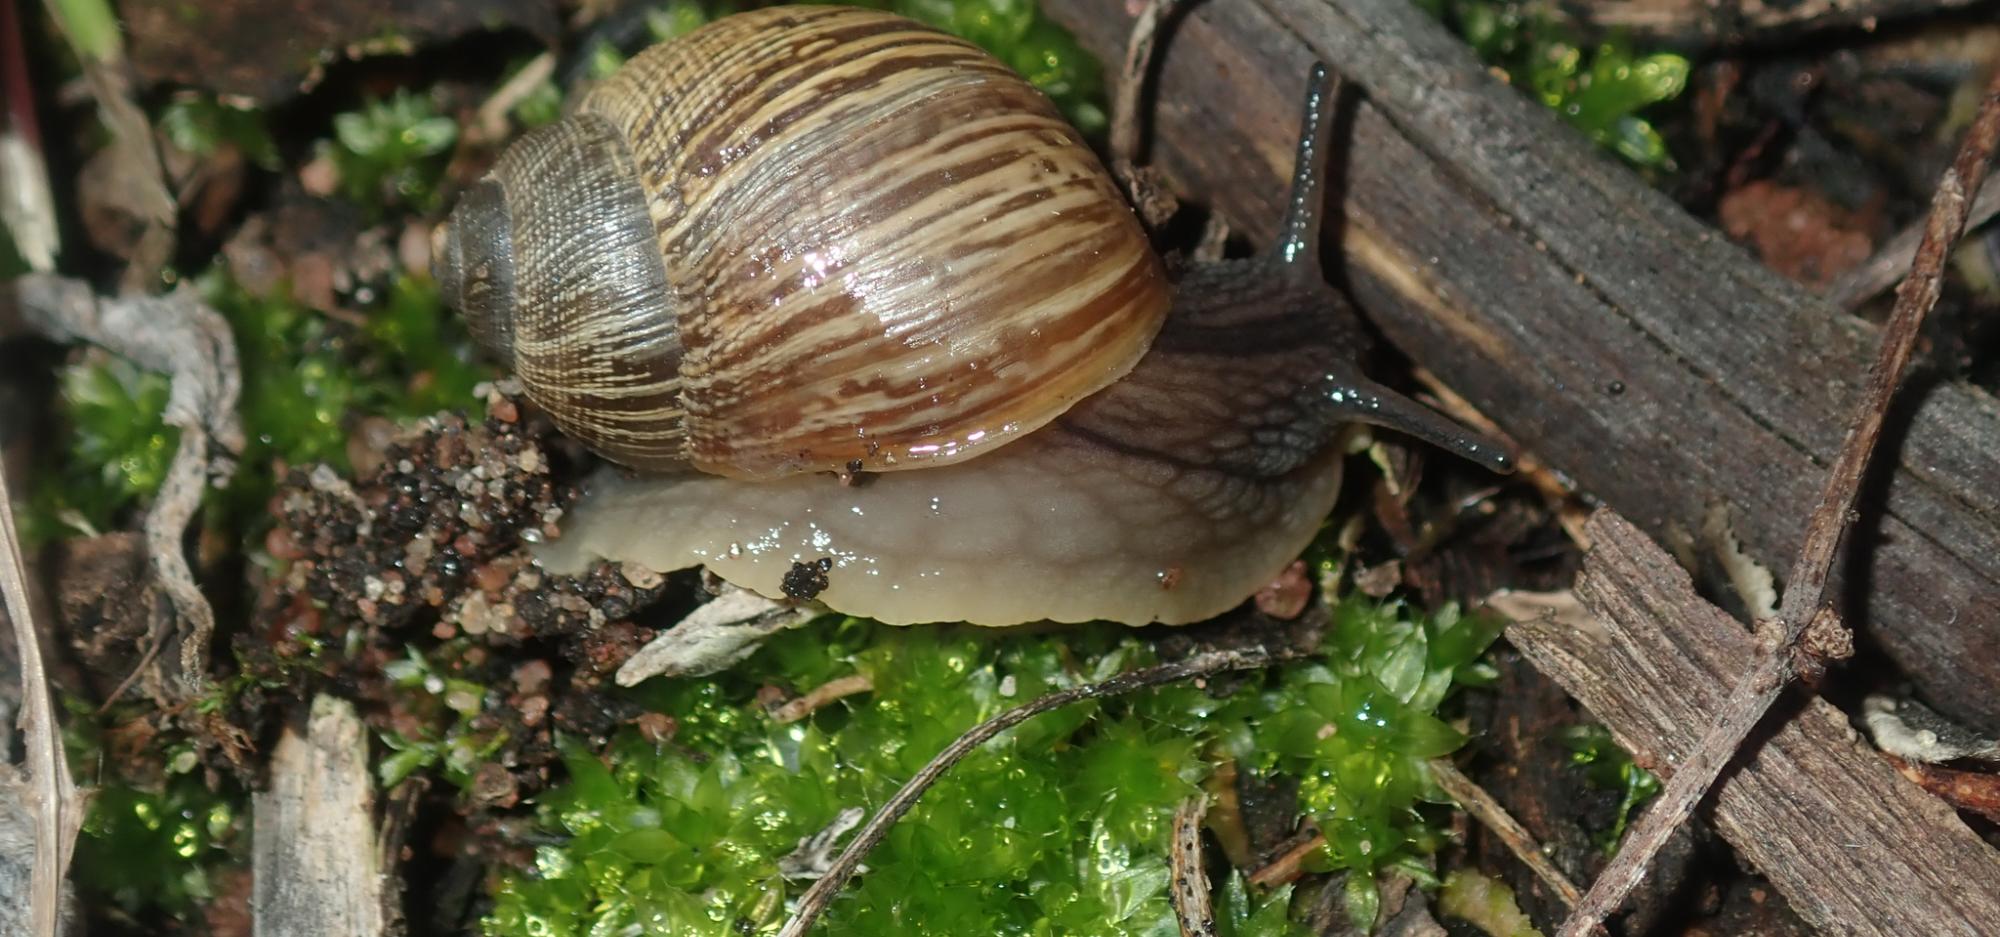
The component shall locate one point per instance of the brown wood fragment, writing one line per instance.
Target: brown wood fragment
(1855, 848)
(1975, 791)
(315, 860)
(1601, 327)
(45, 806)
(838, 688)
(1736, 22)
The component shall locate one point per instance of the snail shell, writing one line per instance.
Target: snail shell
(804, 239)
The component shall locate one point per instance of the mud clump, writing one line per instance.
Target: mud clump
(406, 537)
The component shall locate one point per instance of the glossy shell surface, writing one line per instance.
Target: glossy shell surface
(883, 247)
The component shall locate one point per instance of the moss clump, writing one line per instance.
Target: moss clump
(422, 689)
(306, 379)
(1609, 767)
(392, 152)
(1599, 89)
(117, 453)
(153, 848)
(202, 125)
(157, 852)
(1057, 827)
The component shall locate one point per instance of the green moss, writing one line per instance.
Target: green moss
(117, 451)
(1058, 827)
(297, 385)
(307, 378)
(152, 852)
(436, 698)
(1600, 89)
(202, 125)
(392, 153)
(1609, 767)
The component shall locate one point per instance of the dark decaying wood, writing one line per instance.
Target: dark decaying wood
(1616, 337)
(1806, 634)
(1732, 22)
(1855, 847)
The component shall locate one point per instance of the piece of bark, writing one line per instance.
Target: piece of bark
(1855, 848)
(1709, 23)
(1623, 342)
(264, 52)
(314, 857)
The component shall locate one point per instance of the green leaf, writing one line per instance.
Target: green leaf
(647, 846)
(1362, 899)
(392, 770)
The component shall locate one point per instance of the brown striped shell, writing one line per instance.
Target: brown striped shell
(803, 238)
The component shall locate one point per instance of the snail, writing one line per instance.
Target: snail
(803, 246)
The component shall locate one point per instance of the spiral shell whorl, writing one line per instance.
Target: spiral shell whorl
(592, 334)
(884, 246)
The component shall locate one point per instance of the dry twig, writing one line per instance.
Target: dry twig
(27, 206)
(1290, 864)
(180, 335)
(838, 688)
(821, 894)
(1520, 842)
(1891, 263)
(490, 121)
(1736, 22)
(1805, 589)
(1144, 184)
(56, 808)
(1126, 130)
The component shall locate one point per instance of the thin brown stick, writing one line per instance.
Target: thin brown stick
(821, 894)
(54, 803)
(182, 336)
(1519, 841)
(1187, 886)
(1891, 263)
(1805, 589)
(838, 688)
(1713, 23)
(1126, 132)
(1290, 864)
(1145, 185)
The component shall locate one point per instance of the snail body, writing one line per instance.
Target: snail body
(813, 240)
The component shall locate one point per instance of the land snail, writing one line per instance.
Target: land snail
(805, 244)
